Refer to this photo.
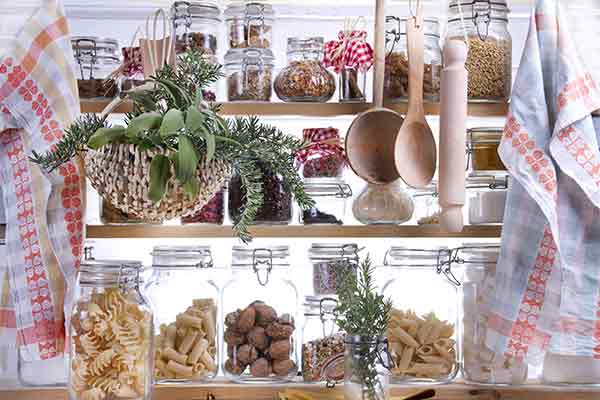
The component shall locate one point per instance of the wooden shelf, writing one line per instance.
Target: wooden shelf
(313, 109)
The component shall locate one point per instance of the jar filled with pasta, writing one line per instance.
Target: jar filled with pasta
(196, 26)
(111, 333)
(185, 302)
(96, 64)
(259, 305)
(423, 328)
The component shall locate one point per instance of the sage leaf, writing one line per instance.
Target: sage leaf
(211, 145)
(194, 120)
(104, 136)
(172, 123)
(191, 188)
(144, 122)
(187, 160)
(199, 97)
(160, 173)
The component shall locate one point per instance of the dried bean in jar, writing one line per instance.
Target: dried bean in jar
(211, 213)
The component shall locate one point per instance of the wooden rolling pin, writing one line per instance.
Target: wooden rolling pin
(453, 128)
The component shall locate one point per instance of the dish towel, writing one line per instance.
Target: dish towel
(38, 100)
(548, 276)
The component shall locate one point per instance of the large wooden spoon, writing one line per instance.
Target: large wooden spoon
(415, 150)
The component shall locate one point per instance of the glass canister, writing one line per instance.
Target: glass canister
(331, 264)
(250, 24)
(330, 196)
(395, 85)
(479, 363)
(486, 196)
(423, 330)
(111, 333)
(249, 74)
(482, 149)
(489, 61)
(305, 79)
(366, 368)
(427, 206)
(324, 155)
(383, 204)
(196, 26)
(97, 60)
(185, 302)
(260, 305)
(322, 342)
(213, 213)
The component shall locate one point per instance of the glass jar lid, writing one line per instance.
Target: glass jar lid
(334, 251)
(93, 49)
(311, 44)
(249, 56)
(99, 273)
(430, 190)
(486, 180)
(249, 11)
(399, 256)
(276, 256)
(324, 309)
(397, 27)
(327, 187)
(190, 10)
(174, 257)
(474, 9)
(476, 254)
(486, 135)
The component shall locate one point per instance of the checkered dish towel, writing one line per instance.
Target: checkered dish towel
(548, 277)
(38, 99)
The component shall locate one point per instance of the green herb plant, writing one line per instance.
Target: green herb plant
(169, 113)
(361, 311)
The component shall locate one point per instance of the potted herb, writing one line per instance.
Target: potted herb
(175, 152)
(364, 316)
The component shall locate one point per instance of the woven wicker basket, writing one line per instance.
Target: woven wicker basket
(120, 174)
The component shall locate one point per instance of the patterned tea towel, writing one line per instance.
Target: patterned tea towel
(38, 100)
(548, 277)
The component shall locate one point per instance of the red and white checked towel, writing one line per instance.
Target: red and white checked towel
(38, 99)
(548, 277)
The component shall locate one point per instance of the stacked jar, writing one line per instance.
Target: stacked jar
(427, 205)
(97, 63)
(249, 61)
(331, 265)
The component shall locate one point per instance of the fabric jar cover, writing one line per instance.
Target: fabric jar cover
(321, 141)
(349, 50)
(133, 66)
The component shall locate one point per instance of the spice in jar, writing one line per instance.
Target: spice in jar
(251, 85)
(396, 78)
(196, 41)
(256, 36)
(250, 25)
(323, 359)
(212, 213)
(329, 275)
(489, 67)
(486, 158)
(305, 81)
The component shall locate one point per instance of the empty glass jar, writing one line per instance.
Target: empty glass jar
(196, 26)
(486, 194)
(330, 195)
(96, 60)
(250, 24)
(249, 74)
(331, 265)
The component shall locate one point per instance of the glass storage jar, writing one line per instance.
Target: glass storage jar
(479, 363)
(489, 61)
(260, 304)
(427, 206)
(330, 195)
(213, 213)
(111, 333)
(482, 149)
(331, 264)
(277, 205)
(96, 59)
(383, 204)
(249, 74)
(395, 85)
(423, 329)
(323, 156)
(322, 342)
(486, 194)
(196, 26)
(366, 368)
(250, 25)
(305, 79)
(185, 301)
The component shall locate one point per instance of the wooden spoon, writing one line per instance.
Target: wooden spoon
(415, 150)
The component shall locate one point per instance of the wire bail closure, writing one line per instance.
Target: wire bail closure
(327, 314)
(445, 266)
(482, 16)
(259, 260)
(92, 52)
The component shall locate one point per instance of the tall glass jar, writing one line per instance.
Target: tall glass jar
(331, 264)
(305, 79)
(423, 330)
(111, 334)
(250, 24)
(482, 149)
(322, 343)
(383, 204)
(249, 74)
(486, 195)
(260, 305)
(366, 370)
(396, 60)
(185, 300)
(479, 363)
(96, 59)
(196, 26)
(489, 61)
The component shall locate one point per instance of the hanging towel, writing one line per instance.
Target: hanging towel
(548, 276)
(38, 101)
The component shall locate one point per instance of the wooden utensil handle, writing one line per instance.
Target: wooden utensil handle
(378, 75)
(416, 42)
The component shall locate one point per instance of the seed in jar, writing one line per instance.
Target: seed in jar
(252, 85)
(196, 41)
(318, 355)
(305, 81)
(489, 66)
(396, 78)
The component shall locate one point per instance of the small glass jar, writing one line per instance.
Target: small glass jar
(260, 305)
(423, 330)
(305, 79)
(213, 213)
(366, 370)
(479, 363)
(489, 61)
(97, 61)
(185, 301)
(395, 85)
(111, 334)
(250, 25)
(427, 206)
(323, 156)
(196, 26)
(277, 205)
(331, 264)
(486, 194)
(133, 68)
(322, 342)
(383, 204)
(352, 85)
(330, 196)
(482, 149)
(249, 74)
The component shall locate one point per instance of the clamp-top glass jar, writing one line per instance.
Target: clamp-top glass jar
(482, 149)
(330, 195)
(97, 59)
(260, 305)
(196, 26)
(305, 79)
(396, 60)
(331, 265)
(423, 328)
(489, 61)
(486, 195)
(250, 25)
(111, 333)
(249, 74)
(427, 205)
(185, 302)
